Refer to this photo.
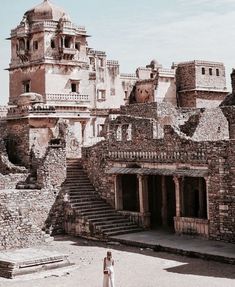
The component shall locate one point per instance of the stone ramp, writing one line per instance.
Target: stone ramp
(30, 260)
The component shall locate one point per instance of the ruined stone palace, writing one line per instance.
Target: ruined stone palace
(90, 151)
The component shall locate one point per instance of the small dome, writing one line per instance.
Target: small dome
(154, 62)
(65, 18)
(45, 11)
(28, 99)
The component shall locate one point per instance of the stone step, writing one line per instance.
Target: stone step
(78, 195)
(83, 205)
(83, 200)
(119, 228)
(112, 223)
(90, 214)
(92, 208)
(106, 217)
(130, 230)
(88, 202)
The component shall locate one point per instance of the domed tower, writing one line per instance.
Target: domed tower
(47, 53)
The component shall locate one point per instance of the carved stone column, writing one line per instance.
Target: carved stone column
(207, 179)
(143, 199)
(177, 196)
(118, 192)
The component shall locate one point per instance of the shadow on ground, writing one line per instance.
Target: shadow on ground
(190, 266)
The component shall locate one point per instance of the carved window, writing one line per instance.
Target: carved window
(210, 72)
(203, 71)
(22, 44)
(217, 72)
(35, 45)
(77, 46)
(26, 86)
(129, 133)
(119, 133)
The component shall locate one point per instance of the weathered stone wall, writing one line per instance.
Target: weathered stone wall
(18, 141)
(95, 161)
(25, 213)
(200, 99)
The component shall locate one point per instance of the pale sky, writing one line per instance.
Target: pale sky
(136, 31)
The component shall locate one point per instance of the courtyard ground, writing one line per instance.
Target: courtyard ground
(134, 267)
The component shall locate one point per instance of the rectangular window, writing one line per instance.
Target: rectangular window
(101, 62)
(217, 72)
(203, 71)
(26, 86)
(100, 130)
(35, 45)
(210, 72)
(101, 95)
(74, 86)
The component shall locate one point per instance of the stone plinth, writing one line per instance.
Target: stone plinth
(26, 261)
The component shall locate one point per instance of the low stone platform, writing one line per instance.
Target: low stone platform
(26, 261)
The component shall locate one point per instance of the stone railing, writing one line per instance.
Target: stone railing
(132, 76)
(112, 63)
(191, 226)
(159, 156)
(72, 97)
(142, 220)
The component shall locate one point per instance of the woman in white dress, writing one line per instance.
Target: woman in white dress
(108, 271)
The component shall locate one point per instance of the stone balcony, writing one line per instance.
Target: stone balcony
(67, 99)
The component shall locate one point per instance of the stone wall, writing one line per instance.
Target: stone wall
(25, 213)
(200, 99)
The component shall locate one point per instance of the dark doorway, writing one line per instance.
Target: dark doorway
(162, 203)
(130, 193)
(194, 197)
(171, 201)
(155, 200)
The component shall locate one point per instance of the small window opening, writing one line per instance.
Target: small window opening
(217, 72)
(35, 45)
(77, 46)
(210, 72)
(26, 86)
(53, 44)
(74, 88)
(203, 71)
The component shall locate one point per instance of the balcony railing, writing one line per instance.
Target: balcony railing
(72, 97)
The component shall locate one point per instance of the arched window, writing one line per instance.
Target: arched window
(210, 72)
(217, 72)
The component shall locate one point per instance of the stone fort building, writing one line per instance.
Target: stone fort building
(88, 150)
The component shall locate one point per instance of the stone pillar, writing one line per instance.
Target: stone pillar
(207, 179)
(164, 202)
(118, 192)
(177, 196)
(143, 199)
(182, 197)
(201, 199)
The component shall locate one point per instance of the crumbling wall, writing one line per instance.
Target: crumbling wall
(143, 149)
(25, 213)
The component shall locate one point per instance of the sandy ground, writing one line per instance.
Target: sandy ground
(134, 267)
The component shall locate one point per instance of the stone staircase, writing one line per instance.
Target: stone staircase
(92, 215)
